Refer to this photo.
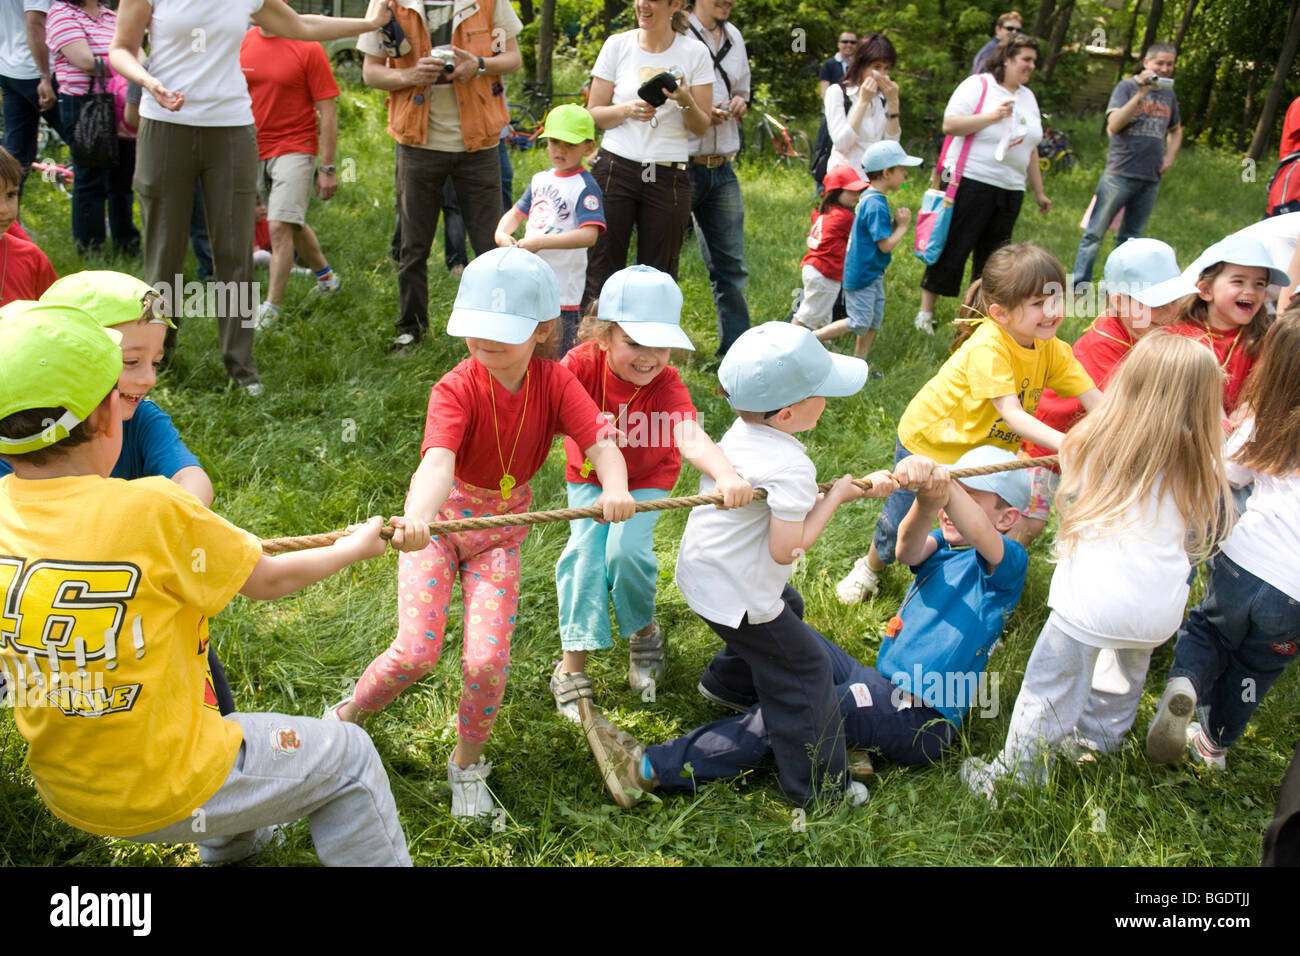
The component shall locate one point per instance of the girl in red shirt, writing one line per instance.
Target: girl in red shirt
(623, 364)
(490, 425)
(823, 266)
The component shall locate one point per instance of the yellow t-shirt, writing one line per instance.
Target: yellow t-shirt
(107, 586)
(954, 411)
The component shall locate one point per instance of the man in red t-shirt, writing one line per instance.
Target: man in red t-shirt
(290, 83)
(1143, 289)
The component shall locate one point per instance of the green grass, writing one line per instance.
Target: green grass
(336, 437)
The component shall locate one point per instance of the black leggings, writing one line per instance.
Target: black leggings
(983, 218)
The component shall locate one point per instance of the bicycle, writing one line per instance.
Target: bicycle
(1055, 152)
(526, 115)
(928, 146)
(788, 145)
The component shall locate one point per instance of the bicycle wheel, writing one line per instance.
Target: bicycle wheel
(802, 145)
(923, 146)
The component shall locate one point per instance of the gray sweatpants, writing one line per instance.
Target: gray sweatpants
(1058, 698)
(291, 767)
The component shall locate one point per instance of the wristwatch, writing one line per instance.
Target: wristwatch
(891, 116)
(686, 108)
(328, 170)
(482, 66)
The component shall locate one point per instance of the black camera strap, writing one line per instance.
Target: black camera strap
(717, 57)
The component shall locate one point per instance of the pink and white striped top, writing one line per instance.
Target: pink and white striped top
(67, 23)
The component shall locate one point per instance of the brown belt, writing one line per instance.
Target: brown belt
(713, 161)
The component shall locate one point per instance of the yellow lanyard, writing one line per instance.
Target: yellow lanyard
(1209, 337)
(587, 466)
(1107, 335)
(507, 483)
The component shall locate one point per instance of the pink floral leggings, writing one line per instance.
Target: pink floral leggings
(488, 562)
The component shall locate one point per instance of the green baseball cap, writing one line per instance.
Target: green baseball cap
(110, 297)
(569, 123)
(54, 356)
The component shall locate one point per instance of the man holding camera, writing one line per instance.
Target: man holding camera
(442, 63)
(715, 192)
(1145, 135)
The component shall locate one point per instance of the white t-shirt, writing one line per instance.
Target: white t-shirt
(1279, 235)
(15, 57)
(1126, 589)
(442, 17)
(849, 145)
(724, 567)
(725, 137)
(194, 49)
(1266, 539)
(557, 202)
(622, 62)
(1025, 125)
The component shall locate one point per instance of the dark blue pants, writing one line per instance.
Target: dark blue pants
(1234, 644)
(784, 666)
(22, 118)
(95, 189)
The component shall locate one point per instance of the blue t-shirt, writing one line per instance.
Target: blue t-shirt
(150, 446)
(953, 614)
(864, 263)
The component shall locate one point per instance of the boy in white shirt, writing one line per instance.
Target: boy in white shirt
(734, 567)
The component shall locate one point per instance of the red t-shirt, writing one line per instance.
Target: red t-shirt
(25, 272)
(285, 79)
(646, 416)
(1291, 130)
(461, 418)
(1231, 352)
(1099, 350)
(827, 241)
(17, 231)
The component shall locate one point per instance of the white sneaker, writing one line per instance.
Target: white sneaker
(645, 659)
(980, 777)
(1202, 751)
(856, 793)
(470, 797)
(1168, 734)
(568, 689)
(331, 284)
(924, 322)
(859, 584)
(267, 314)
(255, 389)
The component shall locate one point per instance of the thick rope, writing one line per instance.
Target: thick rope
(281, 545)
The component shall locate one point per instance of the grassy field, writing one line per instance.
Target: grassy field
(336, 437)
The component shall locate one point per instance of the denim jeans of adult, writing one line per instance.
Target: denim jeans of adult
(1137, 197)
(1233, 645)
(720, 230)
(94, 189)
(22, 119)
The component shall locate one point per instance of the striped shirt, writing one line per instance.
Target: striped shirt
(66, 24)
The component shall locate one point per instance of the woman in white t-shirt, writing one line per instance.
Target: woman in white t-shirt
(872, 111)
(641, 166)
(1005, 129)
(197, 124)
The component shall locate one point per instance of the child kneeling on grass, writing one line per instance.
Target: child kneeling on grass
(968, 579)
(107, 657)
(623, 365)
(734, 566)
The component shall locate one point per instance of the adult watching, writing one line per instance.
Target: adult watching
(1000, 114)
(641, 165)
(197, 125)
(1008, 25)
(862, 108)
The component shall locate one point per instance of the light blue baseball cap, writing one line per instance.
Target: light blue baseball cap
(1239, 250)
(503, 294)
(1146, 270)
(887, 153)
(777, 364)
(647, 305)
(1011, 486)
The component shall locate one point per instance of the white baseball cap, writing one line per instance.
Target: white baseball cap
(778, 364)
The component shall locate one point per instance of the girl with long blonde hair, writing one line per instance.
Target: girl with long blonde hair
(1143, 496)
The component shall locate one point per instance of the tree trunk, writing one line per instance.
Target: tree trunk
(1153, 26)
(1059, 32)
(1128, 43)
(1264, 127)
(1043, 18)
(612, 9)
(1248, 110)
(526, 11)
(1186, 22)
(545, 45)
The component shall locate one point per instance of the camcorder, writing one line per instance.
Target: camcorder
(1159, 82)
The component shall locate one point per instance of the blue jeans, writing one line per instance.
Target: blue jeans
(22, 117)
(199, 240)
(892, 513)
(1137, 197)
(720, 229)
(94, 189)
(1233, 645)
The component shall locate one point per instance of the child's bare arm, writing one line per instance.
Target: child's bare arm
(930, 482)
(789, 539)
(508, 226)
(901, 220)
(974, 526)
(274, 576)
(615, 500)
(699, 449)
(1026, 425)
(1091, 398)
(584, 237)
(430, 486)
(195, 480)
